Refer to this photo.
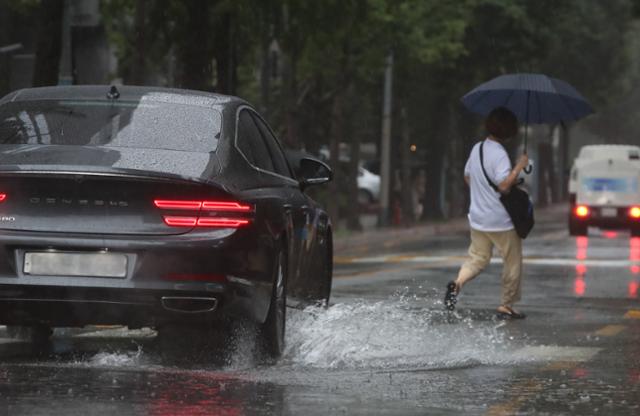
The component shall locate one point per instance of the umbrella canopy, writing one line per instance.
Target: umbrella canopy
(533, 98)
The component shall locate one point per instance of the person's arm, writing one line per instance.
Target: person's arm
(511, 179)
(467, 171)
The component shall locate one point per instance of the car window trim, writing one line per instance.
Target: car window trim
(235, 145)
(275, 140)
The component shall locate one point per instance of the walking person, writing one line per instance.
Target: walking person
(490, 223)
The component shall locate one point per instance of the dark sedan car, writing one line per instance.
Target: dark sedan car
(153, 207)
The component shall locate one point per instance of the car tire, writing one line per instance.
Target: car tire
(578, 229)
(326, 276)
(271, 333)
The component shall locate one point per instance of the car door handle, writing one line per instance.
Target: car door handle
(287, 207)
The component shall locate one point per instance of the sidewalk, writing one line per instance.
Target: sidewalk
(366, 241)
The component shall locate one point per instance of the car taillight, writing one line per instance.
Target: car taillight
(166, 204)
(217, 214)
(582, 211)
(225, 206)
(634, 212)
(180, 221)
(3, 197)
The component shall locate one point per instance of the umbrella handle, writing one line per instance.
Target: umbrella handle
(528, 169)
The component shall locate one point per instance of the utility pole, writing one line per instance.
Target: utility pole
(385, 153)
(65, 76)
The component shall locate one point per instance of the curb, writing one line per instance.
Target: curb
(365, 241)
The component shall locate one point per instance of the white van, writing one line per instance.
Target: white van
(604, 189)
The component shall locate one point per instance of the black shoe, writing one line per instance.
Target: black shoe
(451, 297)
(510, 314)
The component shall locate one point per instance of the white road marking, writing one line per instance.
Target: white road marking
(537, 261)
(555, 353)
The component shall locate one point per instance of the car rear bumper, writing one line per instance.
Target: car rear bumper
(189, 278)
(606, 217)
(56, 306)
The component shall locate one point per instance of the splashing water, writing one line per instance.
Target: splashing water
(116, 359)
(389, 334)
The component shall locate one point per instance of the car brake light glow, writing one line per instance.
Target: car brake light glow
(181, 221)
(206, 205)
(3, 197)
(634, 212)
(582, 211)
(222, 222)
(196, 277)
(166, 204)
(236, 216)
(225, 206)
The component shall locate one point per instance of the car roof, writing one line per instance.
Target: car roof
(127, 92)
(608, 151)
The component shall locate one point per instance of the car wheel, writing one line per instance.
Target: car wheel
(271, 333)
(577, 229)
(326, 277)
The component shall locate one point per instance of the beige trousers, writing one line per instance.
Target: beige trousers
(510, 247)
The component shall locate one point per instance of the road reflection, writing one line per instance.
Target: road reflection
(582, 257)
(634, 257)
(579, 285)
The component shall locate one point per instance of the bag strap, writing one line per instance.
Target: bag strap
(495, 188)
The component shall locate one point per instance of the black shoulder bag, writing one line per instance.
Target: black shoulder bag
(516, 202)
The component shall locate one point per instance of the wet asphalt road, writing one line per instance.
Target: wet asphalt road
(385, 346)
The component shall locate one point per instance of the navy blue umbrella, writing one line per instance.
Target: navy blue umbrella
(533, 98)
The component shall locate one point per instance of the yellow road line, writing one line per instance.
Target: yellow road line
(400, 259)
(521, 392)
(610, 330)
(342, 260)
(632, 314)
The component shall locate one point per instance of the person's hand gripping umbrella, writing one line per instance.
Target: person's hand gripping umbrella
(533, 98)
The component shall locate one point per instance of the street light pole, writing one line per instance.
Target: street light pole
(65, 76)
(385, 149)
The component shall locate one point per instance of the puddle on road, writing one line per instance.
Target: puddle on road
(398, 333)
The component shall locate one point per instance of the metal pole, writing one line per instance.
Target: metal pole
(385, 153)
(65, 76)
(526, 124)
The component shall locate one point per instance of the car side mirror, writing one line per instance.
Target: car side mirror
(313, 172)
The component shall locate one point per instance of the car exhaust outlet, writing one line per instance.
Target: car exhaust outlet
(188, 304)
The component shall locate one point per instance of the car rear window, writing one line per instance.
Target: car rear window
(610, 184)
(135, 124)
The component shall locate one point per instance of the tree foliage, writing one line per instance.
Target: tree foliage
(315, 67)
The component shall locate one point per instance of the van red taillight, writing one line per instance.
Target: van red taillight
(205, 213)
(582, 211)
(634, 212)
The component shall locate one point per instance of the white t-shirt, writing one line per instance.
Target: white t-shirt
(486, 212)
